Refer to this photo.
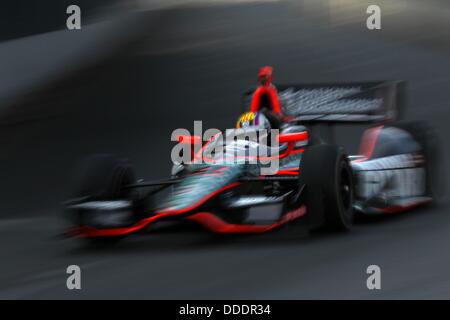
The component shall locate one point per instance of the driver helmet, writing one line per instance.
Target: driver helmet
(254, 120)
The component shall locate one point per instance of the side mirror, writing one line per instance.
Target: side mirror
(292, 137)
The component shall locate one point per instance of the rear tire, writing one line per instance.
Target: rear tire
(327, 176)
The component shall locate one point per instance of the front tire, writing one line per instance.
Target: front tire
(103, 178)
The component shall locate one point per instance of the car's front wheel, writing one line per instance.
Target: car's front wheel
(100, 196)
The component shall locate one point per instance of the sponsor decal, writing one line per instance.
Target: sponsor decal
(395, 176)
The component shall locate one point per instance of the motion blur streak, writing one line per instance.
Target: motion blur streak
(193, 65)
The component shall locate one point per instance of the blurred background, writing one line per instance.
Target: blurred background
(139, 69)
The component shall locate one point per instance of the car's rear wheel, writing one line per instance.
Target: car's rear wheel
(327, 176)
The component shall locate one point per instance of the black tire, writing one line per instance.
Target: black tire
(327, 176)
(103, 177)
(425, 135)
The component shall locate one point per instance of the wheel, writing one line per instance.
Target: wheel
(104, 177)
(327, 176)
(101, 178)
(429, 141)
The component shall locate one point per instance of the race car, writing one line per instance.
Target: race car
(315, 183)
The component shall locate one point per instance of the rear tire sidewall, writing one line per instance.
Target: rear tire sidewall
(326, 173)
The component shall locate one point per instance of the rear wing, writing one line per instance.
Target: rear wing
(352, 102)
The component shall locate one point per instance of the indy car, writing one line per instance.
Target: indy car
(316, 182)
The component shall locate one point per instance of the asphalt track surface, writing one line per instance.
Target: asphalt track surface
(194, 67)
